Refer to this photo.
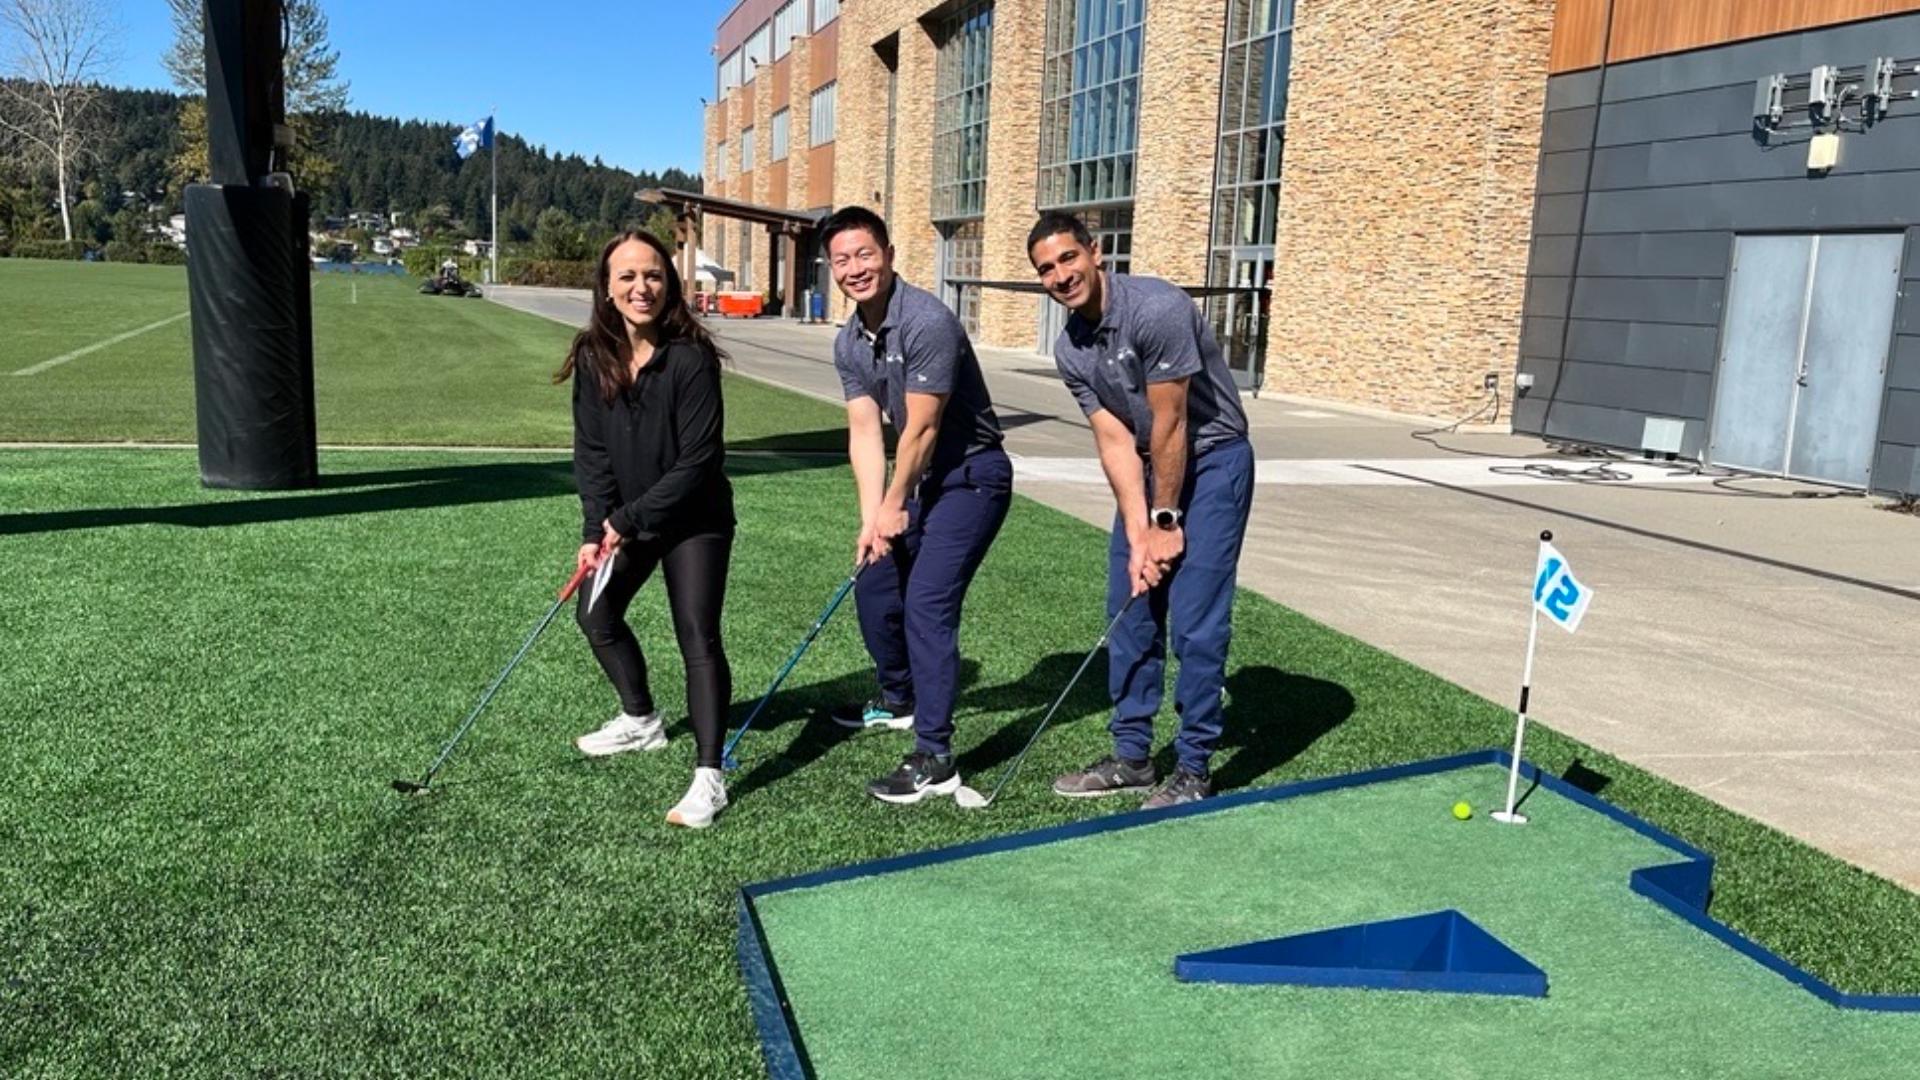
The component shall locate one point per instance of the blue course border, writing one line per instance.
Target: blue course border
(1683, 887)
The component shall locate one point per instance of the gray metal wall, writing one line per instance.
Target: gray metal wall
(1676, 173)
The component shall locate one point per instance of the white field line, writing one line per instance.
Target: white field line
(116, 339)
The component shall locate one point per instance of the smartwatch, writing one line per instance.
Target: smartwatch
(1165, 518)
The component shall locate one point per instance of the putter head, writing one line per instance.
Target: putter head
(968, 799)
(410, 787)
(729, 763)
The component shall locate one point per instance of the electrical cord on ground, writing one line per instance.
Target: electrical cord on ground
(1600, 465)
(1427, 436)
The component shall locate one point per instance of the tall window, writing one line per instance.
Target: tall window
(962, 82)
(746, 150)
(788, 23)
(820, 132)
(824, 12)
(1246, 201)
(730, 72)
(962, 251)
(756, 48)
(777, 145)
(1090, 102)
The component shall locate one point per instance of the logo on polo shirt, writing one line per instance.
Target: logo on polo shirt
(896, 358)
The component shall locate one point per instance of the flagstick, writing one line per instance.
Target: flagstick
(1510, 816)
(493, 147)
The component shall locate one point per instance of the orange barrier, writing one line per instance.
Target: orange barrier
(739, 303)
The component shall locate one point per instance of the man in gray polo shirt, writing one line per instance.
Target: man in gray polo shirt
(904, 357)
(1141, 361)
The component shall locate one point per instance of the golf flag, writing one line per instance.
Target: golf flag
(475, 137)
(1556, 592)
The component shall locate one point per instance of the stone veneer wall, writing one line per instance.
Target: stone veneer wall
(1179, 135)
(1008, 319)
(1413, 138)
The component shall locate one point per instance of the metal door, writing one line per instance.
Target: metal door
(1803, 354)
(1760, 351)
(1856, 284)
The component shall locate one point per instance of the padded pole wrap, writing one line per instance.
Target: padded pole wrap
(252, 337)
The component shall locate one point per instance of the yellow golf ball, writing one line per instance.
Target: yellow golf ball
(1462, 810)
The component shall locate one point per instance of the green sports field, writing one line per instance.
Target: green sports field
(390, 366)
(1057, 960)
(203, 873)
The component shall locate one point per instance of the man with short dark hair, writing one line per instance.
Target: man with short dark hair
(1145, 368)
(903, 357)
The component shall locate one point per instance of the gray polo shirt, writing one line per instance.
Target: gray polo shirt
(1150, 331)
(920, 346)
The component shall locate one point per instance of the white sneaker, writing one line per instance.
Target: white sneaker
(623, 733)
(704, 800)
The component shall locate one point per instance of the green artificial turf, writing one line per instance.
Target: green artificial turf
(1057, 959)
(390, 366)
(202, 871)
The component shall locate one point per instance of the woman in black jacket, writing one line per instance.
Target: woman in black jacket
(648, 457)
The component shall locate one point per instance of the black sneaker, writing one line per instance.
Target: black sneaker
(1108, 776)
(1181, 787)
(919, 775)
(878, 713)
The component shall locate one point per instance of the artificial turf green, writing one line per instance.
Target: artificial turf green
(391, 366)
(1057, 960)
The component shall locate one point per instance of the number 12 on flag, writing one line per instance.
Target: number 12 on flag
(1556, 592)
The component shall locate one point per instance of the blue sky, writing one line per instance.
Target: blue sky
(621, 80)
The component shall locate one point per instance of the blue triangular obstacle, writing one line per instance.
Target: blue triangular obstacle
(1443, 951)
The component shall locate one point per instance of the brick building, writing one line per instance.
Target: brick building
(1162, 122)
(1408, 181)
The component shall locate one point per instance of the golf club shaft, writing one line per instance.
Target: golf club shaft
(1057, 702)
(461, 732)
(833, 605)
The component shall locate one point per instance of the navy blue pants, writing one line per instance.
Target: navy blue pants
(1198, 594)
(910, 601)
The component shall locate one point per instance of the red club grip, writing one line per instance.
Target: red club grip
(578, 576)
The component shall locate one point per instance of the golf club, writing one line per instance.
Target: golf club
(968, 798)
(726, 754)
(414, 787)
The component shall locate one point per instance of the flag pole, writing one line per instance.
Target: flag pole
(1511, 816)
(493, 146)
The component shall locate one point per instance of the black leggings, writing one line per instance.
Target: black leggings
(696, 571)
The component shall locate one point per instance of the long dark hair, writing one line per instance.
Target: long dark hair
(601, 346)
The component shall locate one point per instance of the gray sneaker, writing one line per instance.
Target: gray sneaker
(1108, 776)
(1181, 787)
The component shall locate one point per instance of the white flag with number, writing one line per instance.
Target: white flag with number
(1556, 592)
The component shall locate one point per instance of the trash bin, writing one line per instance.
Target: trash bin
(817, 306)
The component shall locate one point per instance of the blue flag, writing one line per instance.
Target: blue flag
(478, 136)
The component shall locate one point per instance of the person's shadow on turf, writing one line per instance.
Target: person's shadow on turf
(813, 705)
(1019, 705)
(1272, 717)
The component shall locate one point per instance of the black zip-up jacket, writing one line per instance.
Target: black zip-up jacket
(653, 460)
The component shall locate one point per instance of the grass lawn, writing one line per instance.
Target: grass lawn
(390, 366)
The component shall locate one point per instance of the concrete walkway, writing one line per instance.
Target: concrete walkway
(1749, 640)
